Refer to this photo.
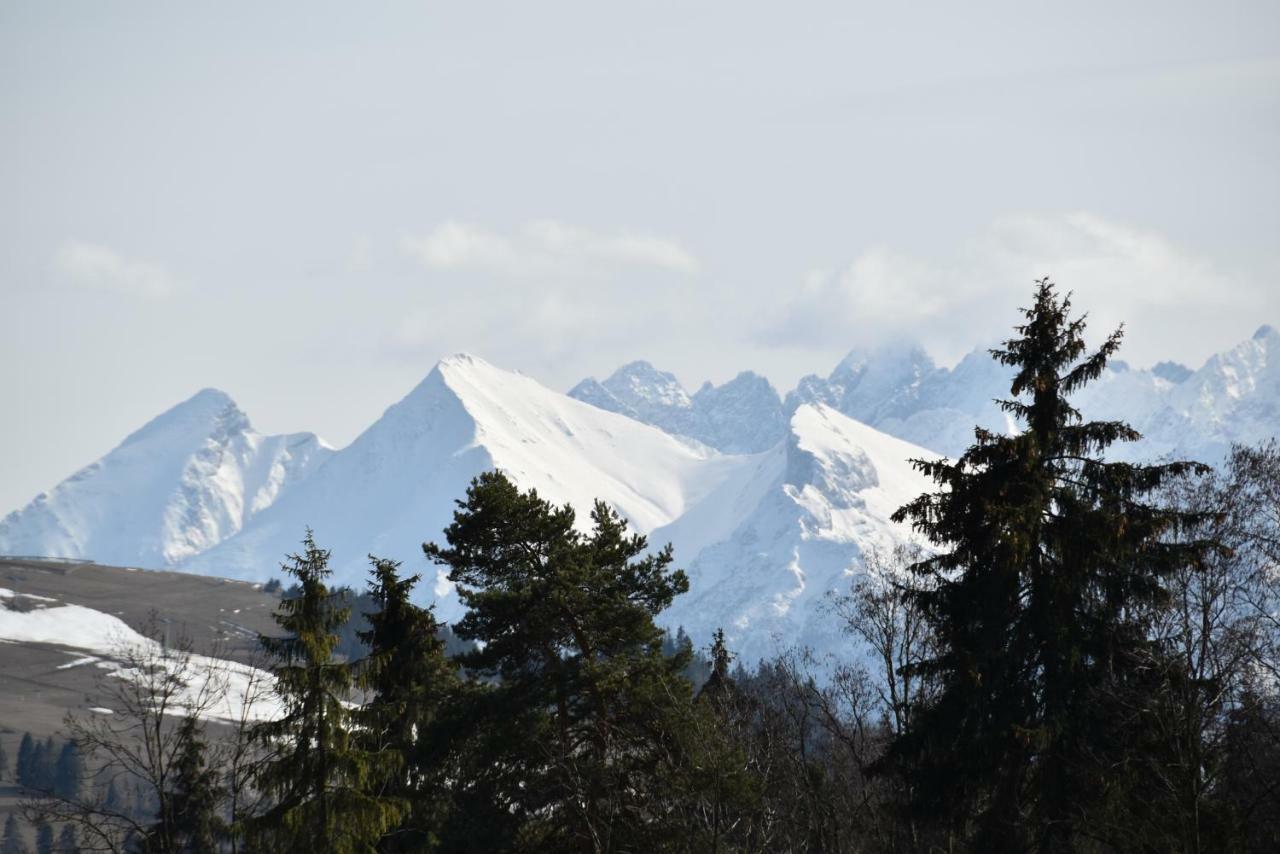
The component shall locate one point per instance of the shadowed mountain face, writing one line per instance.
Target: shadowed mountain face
(743, 416)
(770, 503)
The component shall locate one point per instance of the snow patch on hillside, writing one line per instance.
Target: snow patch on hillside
(115, 644)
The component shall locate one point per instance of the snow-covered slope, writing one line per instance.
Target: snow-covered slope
(183, 483)
(395, 485)
(216, 688)
(769, 547)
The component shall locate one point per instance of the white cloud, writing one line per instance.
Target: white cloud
(94, 266)
(1118, 272)
(545, 248)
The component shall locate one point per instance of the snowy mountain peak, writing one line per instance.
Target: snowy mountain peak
(1172, 372)
(186, 480)
(894, 359)
(743, 416)
(206, 412)
(1266, 330)
(794, 527)
(643, 387)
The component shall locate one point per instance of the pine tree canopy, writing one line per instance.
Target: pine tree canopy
(1049, 564)
(582, 716)
(322, 781)
(406, 678)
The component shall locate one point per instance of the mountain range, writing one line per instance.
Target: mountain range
(770, 501)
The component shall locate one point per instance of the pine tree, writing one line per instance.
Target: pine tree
(1051, 559)
(719, 788)
(408, 678)
(68, 843)
(190, 823)
(12, 843)
(322, 782)
(44, 839)
(575, 733)
(69, 772)
(26, 752)
(4, 762)
(40, 767)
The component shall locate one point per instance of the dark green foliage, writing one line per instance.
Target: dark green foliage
(358, 605)
(4, 762)
(322, 782)
(26, 751)
(573, 737)
(69, 773)
(44, 839)
(36, 764)
(1051, 567)
(67, 841)
(189, 822)
(407, 678)
(12, 842)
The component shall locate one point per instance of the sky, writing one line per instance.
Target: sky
(308, 204)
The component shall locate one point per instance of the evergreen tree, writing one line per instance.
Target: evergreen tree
(12, 843)
(321, 781)
(1050, 566)
(721, 790)
(26, 752)
(407, 677)
(69, 772)
(67, 841)
(4, 762)
(575, 733)
(114, 801)
(44, 839)
(40, 768)
(190, 823)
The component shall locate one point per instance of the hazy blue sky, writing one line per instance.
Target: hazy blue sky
(307, 204)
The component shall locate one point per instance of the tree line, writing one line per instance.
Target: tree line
(1080, 655)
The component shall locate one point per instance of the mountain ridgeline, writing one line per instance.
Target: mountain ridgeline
(785, 495)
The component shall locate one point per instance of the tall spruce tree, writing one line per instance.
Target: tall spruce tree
(575, 731)
(69, 773)
(44, 839)
(322, 782)
(12, 842)
(26, 752)
(407, 677)
(1049, 567)
(190, 822)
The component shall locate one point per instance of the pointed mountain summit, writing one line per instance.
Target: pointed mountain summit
(784, 533)
(185, 481)
(394, 486)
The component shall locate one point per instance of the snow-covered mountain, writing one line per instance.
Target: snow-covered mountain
(743, 416)
(394, 486)
(180, 485)
(900, 390)
(790, 529)
(769, 502)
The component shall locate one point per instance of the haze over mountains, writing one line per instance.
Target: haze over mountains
(769, 500)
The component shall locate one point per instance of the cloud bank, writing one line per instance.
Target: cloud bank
(545, 247)
(93, 266)
(1119, 272)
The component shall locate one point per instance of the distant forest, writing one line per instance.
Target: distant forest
(1078, 655)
